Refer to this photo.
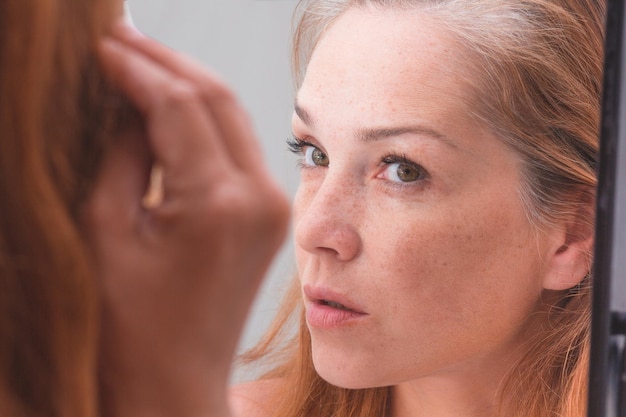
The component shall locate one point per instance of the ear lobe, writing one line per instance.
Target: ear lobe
(571, 260)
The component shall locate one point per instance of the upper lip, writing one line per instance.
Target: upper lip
(325, 295)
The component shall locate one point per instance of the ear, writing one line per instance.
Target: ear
(571, 256)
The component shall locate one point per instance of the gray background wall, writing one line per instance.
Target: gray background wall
(247, 43)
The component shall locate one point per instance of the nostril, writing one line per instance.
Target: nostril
(328, 251)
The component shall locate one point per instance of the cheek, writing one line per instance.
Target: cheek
(309, 193)
(301, 211)
(300, 200)
(451, 284)
(480, 261)
(296, 216)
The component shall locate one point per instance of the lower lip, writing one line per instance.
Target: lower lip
(327, 317)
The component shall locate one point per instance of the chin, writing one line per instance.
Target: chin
(348, 377)
(343, 382)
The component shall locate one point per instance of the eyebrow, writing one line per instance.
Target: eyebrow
(375, 134)
(303, 114)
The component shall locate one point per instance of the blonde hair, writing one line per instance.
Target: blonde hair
(536, 72)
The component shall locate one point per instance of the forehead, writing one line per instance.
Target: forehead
(387, 64)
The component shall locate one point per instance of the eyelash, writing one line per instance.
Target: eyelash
(297, 145)
(394, 158)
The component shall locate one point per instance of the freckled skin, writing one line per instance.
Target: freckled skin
(448, 269)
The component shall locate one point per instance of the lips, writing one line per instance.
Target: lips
(327, 309)
(334, 304)
(330, 298)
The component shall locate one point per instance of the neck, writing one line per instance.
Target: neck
(442, 397)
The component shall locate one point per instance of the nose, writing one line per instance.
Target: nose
(326, 220)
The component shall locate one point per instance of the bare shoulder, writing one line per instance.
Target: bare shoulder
(251, 399)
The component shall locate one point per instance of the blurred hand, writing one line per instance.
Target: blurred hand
(178, 275)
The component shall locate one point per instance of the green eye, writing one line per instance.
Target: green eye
(315, 157)
(399, 169)
(407, 173)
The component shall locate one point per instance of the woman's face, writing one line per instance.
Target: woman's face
(415, 255)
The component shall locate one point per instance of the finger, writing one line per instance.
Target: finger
(230, 117)
(115, 203)
(181, 135)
